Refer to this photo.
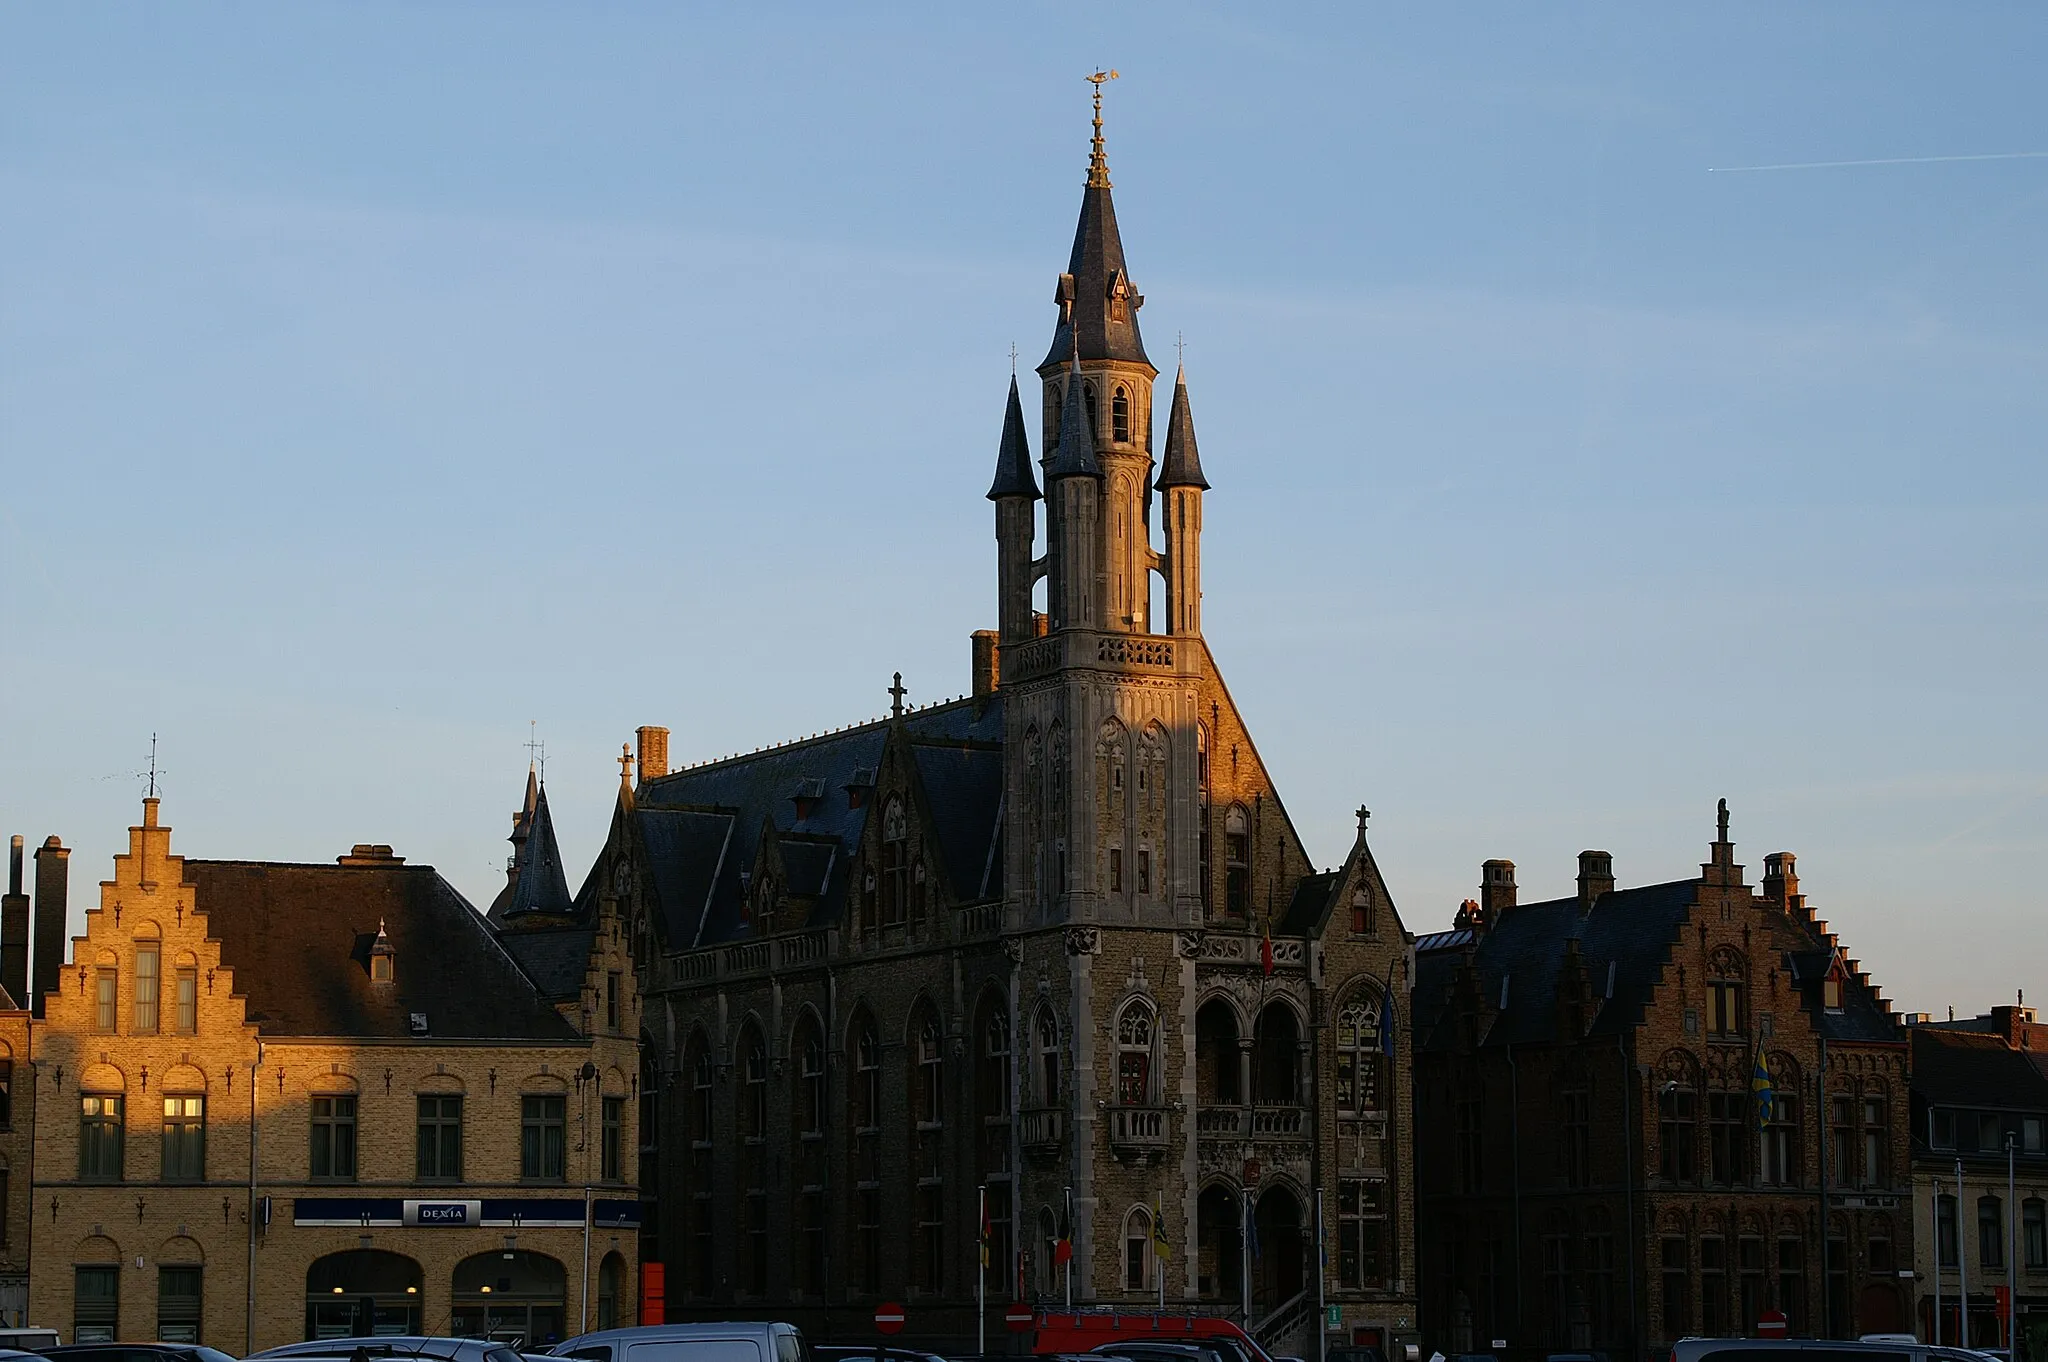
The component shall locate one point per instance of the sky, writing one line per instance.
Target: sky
(383, 384)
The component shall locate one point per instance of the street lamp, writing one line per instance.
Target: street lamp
(2012, 1299)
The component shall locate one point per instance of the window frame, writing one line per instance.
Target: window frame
(146, 1003)
(543, 1115)
(336, 1114)
(102, 1137)
(184, 1138)
(432, 1130)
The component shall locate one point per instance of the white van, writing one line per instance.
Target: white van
(735, 1342)
(29, 1340)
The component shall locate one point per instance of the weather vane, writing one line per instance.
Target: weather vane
(1098, 164)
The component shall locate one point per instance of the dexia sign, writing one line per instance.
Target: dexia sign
(443, 1212)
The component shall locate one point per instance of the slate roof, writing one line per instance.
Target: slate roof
(1182, 464)
(298, 939)
(538, 884)
(1629, 929)
(1014, 477)
(555, 958)
(1956, 1068)
(1311, 898)
(702, 827)
(1096, 265)
(1074, 455)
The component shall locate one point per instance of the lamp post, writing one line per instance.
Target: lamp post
(2012, 1298)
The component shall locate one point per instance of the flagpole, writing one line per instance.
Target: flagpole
(1934, 1222)
(1159, 1242)
(981, 1280)
(1322, 1278)
(1962, 1262)
(1244, 1253)
(1070, 1248)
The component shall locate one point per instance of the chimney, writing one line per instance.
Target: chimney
(653, 758)
(1596, 877)
(1781, 881)
(370, 853)
(53, 906)
(1496, 889)
(14, 930)
(987, 653)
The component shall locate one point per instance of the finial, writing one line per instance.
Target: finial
(896, 694)
(1013, 359)
(1098, 164)
(1363, 814)
(1180, 351)
(152, 766)
(625, 764)
(534, 746)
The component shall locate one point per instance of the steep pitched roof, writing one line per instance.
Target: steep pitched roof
(1972, 1069)
(1182, 464)
(703, 826)
(298, 939)
(555, 958)
(1074, 456)
(1099, 305)
(538, 884)
(1014, 477)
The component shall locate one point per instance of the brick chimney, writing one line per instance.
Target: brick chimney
(653, 758)
(1596, 877)
(14, 929)
(53, 906)
(1496, 889)
(987, 662)
(1781, 881)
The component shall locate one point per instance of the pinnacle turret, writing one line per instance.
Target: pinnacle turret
(1182, 464)
(1097, 301)
(1014, 477)
(1075, 454)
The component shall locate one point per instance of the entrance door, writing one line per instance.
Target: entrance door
(1276, 1272)
(516, 1297)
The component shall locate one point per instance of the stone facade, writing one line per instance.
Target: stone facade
(1051, 960)
(1608, 1169)
(215, 1164)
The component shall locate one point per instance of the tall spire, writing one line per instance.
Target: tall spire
(1013, 460)
(1097, 301)
(1182, 465)
(1075, 456)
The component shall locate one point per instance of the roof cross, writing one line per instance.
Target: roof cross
(896, 694)
(536, 749)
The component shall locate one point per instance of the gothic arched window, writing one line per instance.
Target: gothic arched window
(1725, 974)
(917, 893)
(1360, 1063)
(895, 863)
(1237, 861)
(1134, 1054)
(810, 1077)
(1120, 415)
(1094, 420)
(753, 1057)
(1138, 1249)
(993, 1080)
(927, 1079)
(1046, 1060)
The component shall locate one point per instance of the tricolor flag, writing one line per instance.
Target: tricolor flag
(1760, 1088)
(1063, 1247)
(1387, 1014)
(1266, 950)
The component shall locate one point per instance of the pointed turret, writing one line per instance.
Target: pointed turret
(535, 882)
(1098, 305)
(1074, 455)
(1014, 477)
(1182, 464)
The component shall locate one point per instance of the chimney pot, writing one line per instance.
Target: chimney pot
(653, 756)
(1596, 876)
(1496, 889)
(987, 662)
(53, 906)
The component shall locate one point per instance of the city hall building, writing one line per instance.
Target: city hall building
(279, 1101)
(1035, 994)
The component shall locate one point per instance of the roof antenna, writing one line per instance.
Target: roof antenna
(152, 766)
(536, 750)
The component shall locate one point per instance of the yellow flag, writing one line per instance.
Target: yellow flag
(1160, 1248)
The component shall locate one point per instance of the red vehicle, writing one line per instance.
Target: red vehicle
(1080, 1331)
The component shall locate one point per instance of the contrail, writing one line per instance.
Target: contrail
(1887, 161)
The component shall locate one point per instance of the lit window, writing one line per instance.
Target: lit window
(148, 961)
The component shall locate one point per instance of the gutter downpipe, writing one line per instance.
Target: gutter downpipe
(249, 1322)
(1515, 1135)
(1821, 1116)
(1636, 1237)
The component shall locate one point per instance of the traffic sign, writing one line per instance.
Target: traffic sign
(1018, 1317)
(889, 1318)
(1771, 1324)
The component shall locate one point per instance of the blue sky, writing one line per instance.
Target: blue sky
(375, 380)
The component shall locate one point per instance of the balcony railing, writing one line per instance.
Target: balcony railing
(1137, 1130)
(1214, 1123)
(1041, 1129)
(1279, 1123)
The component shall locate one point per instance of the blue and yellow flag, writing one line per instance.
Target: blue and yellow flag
(1760, 1088)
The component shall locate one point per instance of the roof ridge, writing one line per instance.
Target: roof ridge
(886, 719)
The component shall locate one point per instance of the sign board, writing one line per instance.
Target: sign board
(1771, 1324)
(889, 1318)
(430, 1213)
(1251, 1172)
(1333, 1317)
(1018, 1317)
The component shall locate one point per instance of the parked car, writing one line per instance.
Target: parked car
(134, 1352)
(29, 1339)
(1177, 1350)
(742, 1341)
(854, 1352)
(395, 1345)
(1354, 1353)
(1815, 1350)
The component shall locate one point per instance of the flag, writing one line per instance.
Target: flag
(1160, 1250)
(987, 1229)
(1251, 1229)
(1063, 1247)
(1760, 1088)
(1266, 950)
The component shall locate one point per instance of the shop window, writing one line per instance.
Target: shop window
(95, 1304)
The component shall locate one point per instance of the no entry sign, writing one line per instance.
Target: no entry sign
(889, 1318)
(1771, 1324)
(1018, 1317)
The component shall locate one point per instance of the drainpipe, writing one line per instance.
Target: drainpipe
(1827, 1313)
(1515, 1137)
(1630, 1170)
(249, 1323)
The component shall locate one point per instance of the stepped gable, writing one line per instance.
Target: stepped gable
(298, 938)
(703, 826)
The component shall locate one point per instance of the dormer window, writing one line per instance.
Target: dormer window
(383, 959)
(1831, 986)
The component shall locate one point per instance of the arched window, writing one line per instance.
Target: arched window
(1134, 1054)
(927, 1080)
(1138, 1250)
(864, 1103)
(868, 899)
(697, 1070)
(1360, 1086)
(611, 1288)
(342, 1287)
(992, 1083)
(1048, 1271)
(1094, 420)
(753, 1109)
(810, 1077)
(1782, 1141)
(1046, 1068)
(1120, 415)
(512, 1291)
(1237, 861)
(1053, 399)
(895, 863)
(917, 893)
(1678, 1119)
(864, 1094)
(1725, 975)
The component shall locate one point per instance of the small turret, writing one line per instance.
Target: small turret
(1073, 481)
(1181, 485)
(1014, 491)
